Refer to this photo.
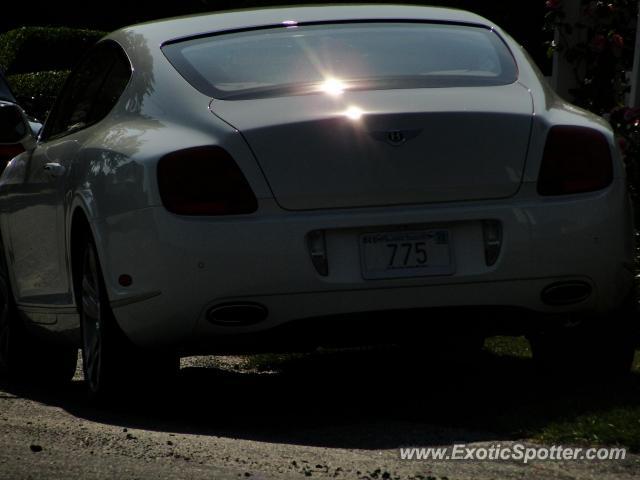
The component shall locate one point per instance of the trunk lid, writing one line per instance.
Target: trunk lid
(387, 147)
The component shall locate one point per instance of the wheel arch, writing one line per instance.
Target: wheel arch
(80, 228)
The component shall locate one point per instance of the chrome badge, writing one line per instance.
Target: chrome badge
(395, 138)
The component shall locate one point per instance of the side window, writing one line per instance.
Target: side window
(112, 88)
(91, 91)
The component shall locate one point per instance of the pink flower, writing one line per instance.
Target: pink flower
(631, 113)
(622, 143)
(617, 40)
(553, 4)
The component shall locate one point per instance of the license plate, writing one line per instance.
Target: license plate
(406, 254)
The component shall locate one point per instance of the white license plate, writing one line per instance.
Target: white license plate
(406, 254)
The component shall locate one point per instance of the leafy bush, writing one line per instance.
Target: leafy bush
(37, 91)
(601, 61)
(43, 83)
(602, 55)
(36, 49)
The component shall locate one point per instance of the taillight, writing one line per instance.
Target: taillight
(204, 181)
(576, 160)
(7, 152)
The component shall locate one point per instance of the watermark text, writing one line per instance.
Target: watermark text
(516, 452)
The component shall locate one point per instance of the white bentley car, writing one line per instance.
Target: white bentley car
(281, 179)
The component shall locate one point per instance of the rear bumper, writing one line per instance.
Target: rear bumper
(182, 267)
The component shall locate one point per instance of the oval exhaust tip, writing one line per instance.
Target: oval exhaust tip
(566, 293)
(237, 314)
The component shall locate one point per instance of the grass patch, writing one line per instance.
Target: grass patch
(517, 347)
(615, 426)
(267, 362)
(501, 393)
(587, 415)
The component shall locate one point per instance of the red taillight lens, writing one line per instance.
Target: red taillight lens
(576, 160)
(7, 152)
(204, 181)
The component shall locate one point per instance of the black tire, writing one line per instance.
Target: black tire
(24, 357)
(596, 349)
(113, 367)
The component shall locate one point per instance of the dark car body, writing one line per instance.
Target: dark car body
(6, 95)
(17, 131)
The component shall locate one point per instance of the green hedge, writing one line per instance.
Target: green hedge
(36, 49)
(37, 91)
(38, 83)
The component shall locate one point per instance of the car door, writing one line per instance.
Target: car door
(37, 226)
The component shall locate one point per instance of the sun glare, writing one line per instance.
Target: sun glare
(333, 86)
(353, 113)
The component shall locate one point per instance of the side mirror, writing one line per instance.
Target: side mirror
(36, 127)
(13, 125)
(16, 133)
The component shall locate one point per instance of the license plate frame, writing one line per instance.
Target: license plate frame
(380, 260)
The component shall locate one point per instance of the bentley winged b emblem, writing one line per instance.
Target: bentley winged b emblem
(395, 138)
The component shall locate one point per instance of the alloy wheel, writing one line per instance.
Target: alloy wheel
(5, 327)
(92, 321)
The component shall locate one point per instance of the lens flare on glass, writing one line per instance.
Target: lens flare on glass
(353, 113)
(333, 86)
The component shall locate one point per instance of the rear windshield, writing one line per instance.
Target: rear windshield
(308, 58)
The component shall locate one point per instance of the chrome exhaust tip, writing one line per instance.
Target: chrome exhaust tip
(237, 314)
(566, 293)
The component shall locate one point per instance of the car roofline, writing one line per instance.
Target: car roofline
(164, 31)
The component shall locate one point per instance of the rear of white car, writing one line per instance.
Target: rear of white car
(334, 196)
(288, 178)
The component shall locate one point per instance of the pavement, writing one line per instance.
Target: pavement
(326, 416)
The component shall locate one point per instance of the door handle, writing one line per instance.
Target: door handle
(54, 169)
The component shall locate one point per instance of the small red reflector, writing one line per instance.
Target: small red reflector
(125, 280)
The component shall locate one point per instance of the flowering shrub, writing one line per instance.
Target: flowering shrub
(603, 54)
(601, 59)
(626, 123)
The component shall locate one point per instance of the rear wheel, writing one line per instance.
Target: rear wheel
(596, 349)
(23, 356)
(112, 364)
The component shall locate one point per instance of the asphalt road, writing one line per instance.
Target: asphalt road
(328, 416)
